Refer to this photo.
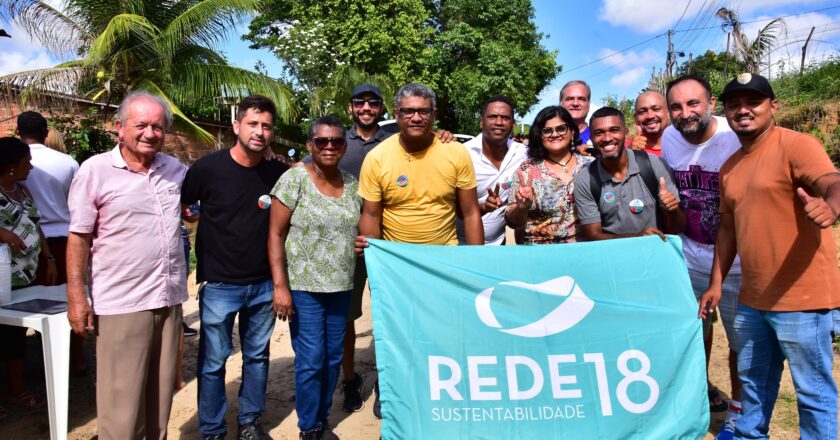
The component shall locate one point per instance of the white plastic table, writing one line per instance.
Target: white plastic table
(55, 336)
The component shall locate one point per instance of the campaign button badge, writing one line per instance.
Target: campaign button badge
(264, 202)
(637, 206)
(609, 197)
(402, 181)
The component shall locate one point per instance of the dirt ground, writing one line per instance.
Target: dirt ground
(280, 418)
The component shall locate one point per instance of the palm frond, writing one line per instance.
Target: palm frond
(181, 120)
(207, 22)
(58, 33)
(192, 81)
(766, 37)
(126, 35)
(45, 81)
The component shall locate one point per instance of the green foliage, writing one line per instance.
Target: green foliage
(83, 137)
(817, 83)
(710, 62)
(167, 48)
(465, 50)
(626, 106)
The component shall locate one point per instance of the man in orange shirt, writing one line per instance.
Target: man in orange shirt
(780, 195)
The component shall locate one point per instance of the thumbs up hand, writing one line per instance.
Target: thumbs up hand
(817, 210)
(493, 201)
(524, 193)
(640, 140)
(666, 198)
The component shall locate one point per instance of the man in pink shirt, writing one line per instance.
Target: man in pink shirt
(124, 219)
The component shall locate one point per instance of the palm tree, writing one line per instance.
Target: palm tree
(166, 47)
(750, 51)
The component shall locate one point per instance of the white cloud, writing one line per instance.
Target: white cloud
(797, 26)
(17, 61)
(628, 78)
(651, 16)
(646, 16)
(630, 58)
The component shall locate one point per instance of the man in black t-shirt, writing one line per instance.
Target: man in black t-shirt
(233, 186)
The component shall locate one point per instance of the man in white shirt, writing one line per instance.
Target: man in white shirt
(49, 183)
(495, 158)
(695, 146)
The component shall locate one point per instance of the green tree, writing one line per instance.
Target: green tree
(465, 50)
(487, 47)
(166, 47)
(712, 62)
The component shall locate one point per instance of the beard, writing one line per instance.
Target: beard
(684, 125)
(358, 121)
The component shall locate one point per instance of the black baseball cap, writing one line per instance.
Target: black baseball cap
(366, 88)
(748, 81)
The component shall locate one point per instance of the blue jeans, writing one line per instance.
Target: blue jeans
(317, 330)
(765, 340)
(219, 304)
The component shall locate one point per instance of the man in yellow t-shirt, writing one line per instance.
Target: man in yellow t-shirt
(411, 183)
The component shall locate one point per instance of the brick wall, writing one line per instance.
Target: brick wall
(177, 144)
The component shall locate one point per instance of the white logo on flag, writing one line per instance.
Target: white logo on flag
(576, 306)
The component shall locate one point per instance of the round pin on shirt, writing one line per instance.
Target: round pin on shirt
(402, 181)
(637, 206)
(264, 202)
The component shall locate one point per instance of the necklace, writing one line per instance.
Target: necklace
(9, 192)
(562, 164)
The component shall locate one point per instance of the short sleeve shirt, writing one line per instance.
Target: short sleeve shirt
(787, 262)
(21, 218)
(137, 256)
(417, 190)
(613, 209)
(322, 232)
(553, 210)
(231, 242)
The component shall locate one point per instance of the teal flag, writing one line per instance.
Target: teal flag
(574, 341)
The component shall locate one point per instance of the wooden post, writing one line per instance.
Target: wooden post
(805, 48)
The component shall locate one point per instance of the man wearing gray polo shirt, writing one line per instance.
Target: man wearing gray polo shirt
(632, 194)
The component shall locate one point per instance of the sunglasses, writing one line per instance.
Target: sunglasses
(408, 113)
(561, 130)
(360, 102)
(322, 142)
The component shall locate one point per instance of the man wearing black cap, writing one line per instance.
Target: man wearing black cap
(366, 107)
(780, 195)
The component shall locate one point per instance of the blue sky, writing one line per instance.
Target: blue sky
(612, 44)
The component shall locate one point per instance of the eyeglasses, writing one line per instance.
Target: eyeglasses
(360, 102)
(322, 142)
(561, 130)
(408, 113)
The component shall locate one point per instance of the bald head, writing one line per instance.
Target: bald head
(651, 113)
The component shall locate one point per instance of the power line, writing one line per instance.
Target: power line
(613, 54)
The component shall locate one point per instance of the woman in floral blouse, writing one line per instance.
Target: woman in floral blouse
(314, 216)
(543, 207)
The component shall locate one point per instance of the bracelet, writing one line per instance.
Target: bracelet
(51, 258)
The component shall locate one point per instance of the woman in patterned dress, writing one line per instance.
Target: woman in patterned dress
(314, 215)
(543, 206)
(19, 230)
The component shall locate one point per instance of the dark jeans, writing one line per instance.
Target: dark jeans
(317, 331)
(219, 303)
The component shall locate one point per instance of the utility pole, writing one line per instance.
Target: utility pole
(669, 60)
(726, 60)
(805, 48)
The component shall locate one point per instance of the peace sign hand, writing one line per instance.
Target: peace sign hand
(493, 201)
(524, 194)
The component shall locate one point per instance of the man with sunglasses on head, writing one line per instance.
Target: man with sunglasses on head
(233, 186)
(624, 193)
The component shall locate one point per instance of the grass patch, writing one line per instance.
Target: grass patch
(786, 416)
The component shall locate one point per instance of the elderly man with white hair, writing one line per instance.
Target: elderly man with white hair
(124, 220)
